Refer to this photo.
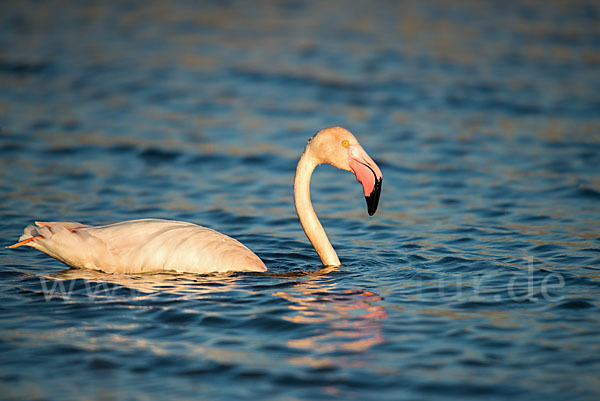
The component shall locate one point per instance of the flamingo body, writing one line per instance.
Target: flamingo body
(141, 246)
(152, 245)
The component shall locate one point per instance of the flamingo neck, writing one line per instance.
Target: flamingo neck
(308, 218)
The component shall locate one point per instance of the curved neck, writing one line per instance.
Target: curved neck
(310, 223)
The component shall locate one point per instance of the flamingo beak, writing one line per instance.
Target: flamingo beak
(368, 174)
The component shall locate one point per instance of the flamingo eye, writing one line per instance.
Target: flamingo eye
(345, 143)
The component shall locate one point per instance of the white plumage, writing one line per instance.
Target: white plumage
(139, 246)
(152, 245)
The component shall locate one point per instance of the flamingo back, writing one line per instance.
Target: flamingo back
(138, 246)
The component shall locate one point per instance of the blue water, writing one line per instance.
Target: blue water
(478, 278)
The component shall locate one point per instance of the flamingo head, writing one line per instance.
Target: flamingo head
(338, 147)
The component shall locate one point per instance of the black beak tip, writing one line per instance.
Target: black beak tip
(373, 198)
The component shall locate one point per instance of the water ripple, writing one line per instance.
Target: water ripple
(477, 277)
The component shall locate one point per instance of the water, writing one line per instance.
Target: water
(477, 278)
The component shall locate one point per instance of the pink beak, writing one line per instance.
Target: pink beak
(368, 174)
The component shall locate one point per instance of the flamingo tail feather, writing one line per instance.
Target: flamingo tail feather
(25, 241)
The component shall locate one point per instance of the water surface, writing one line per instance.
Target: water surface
(477, 278)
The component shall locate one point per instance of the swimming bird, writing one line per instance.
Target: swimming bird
(154, 245)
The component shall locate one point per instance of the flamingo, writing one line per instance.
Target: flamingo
(154, 245)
